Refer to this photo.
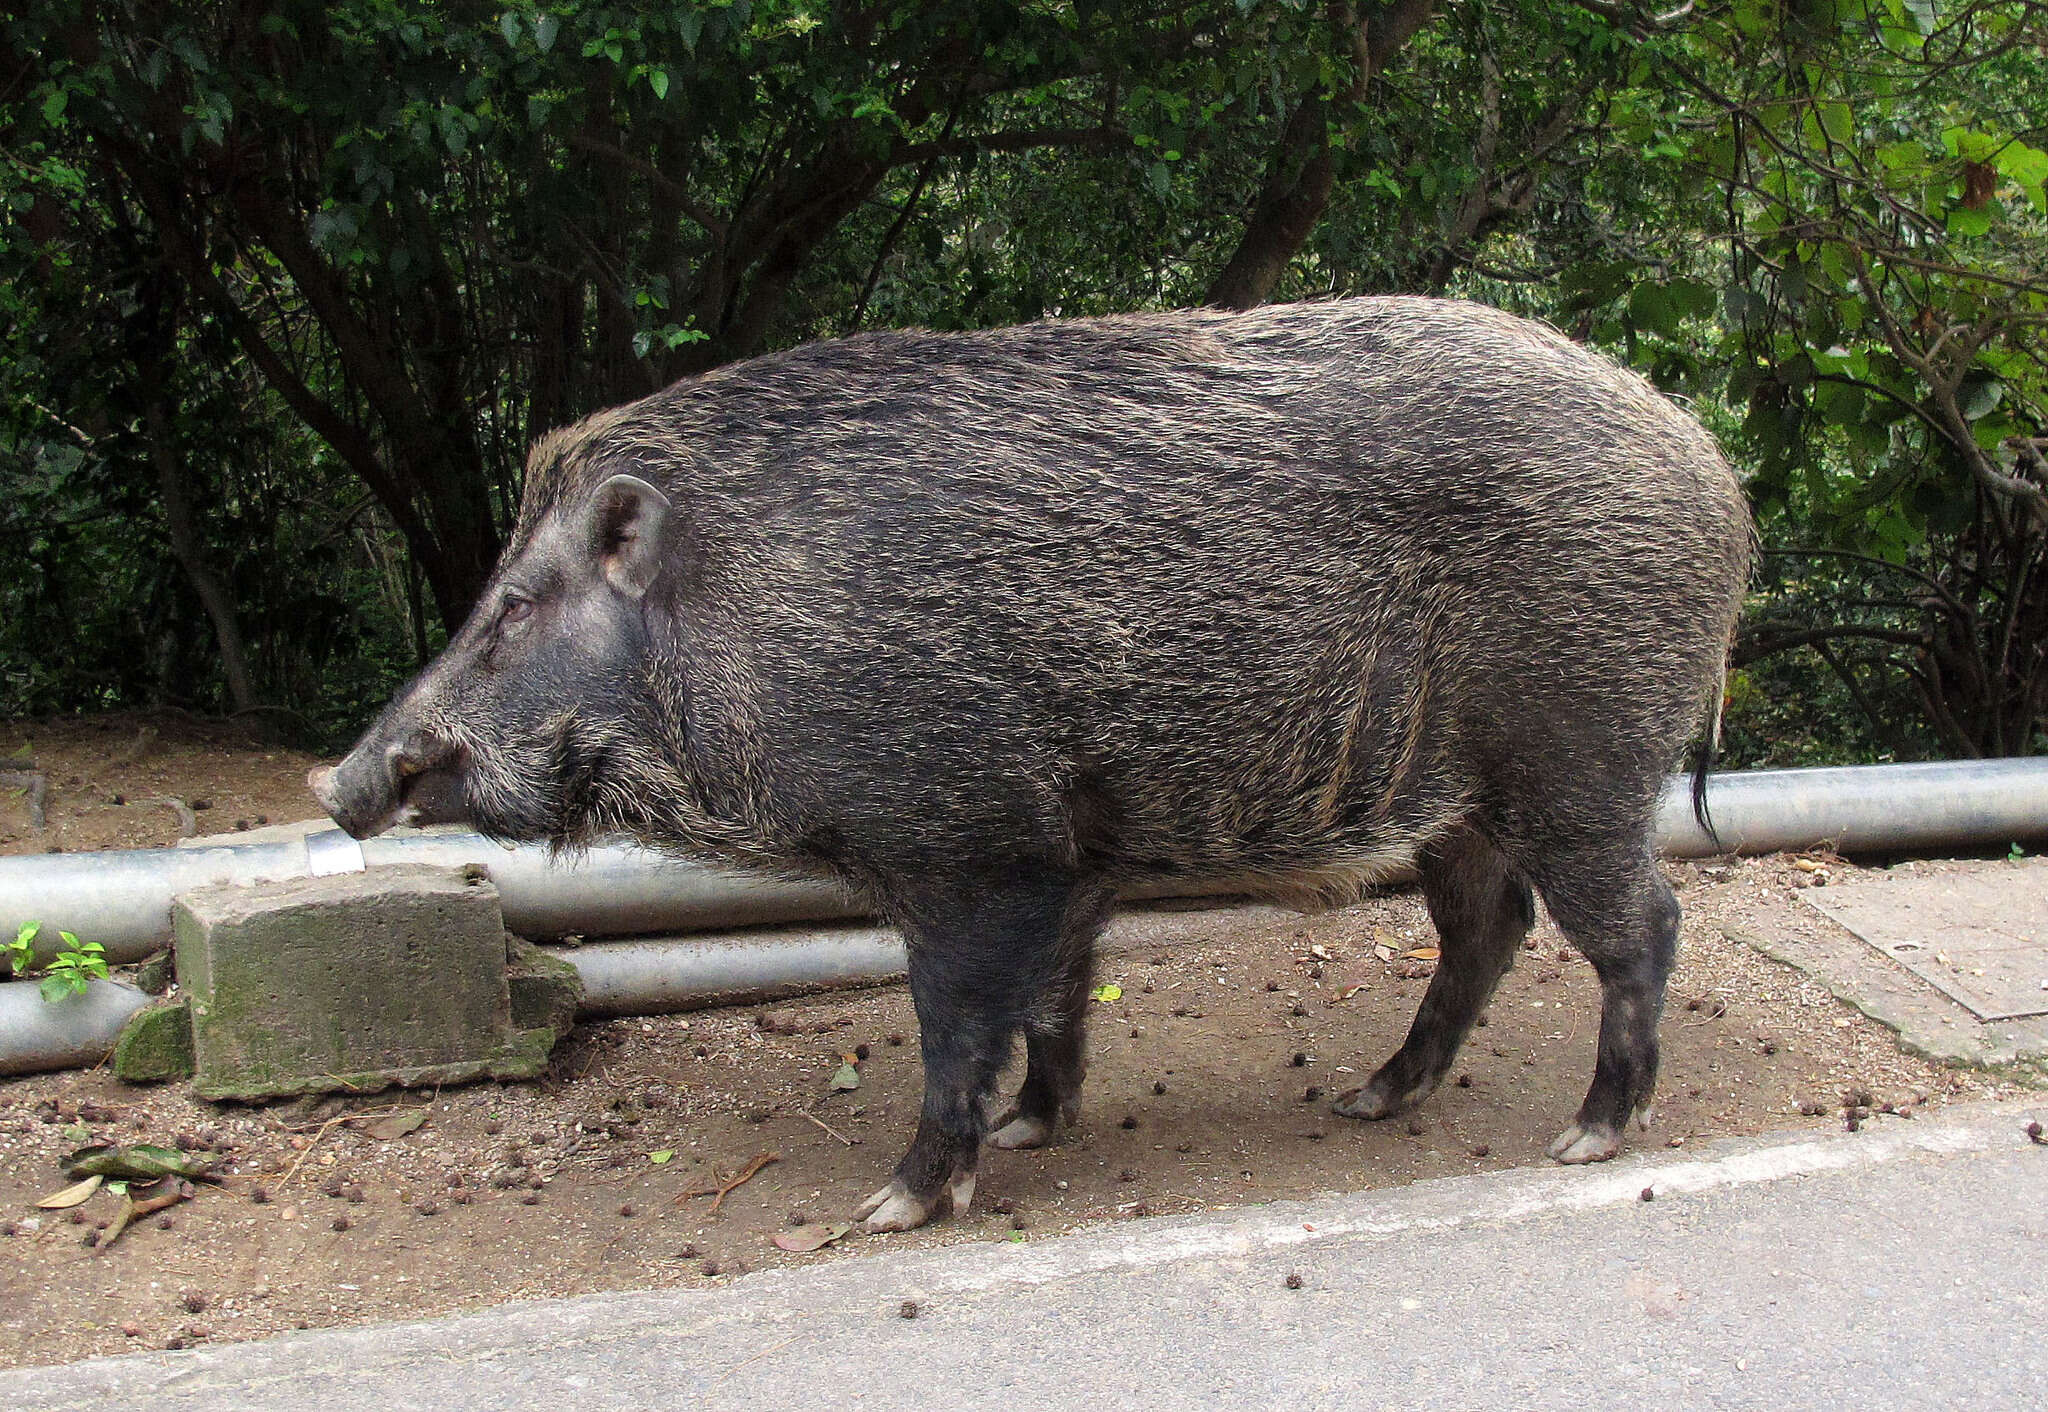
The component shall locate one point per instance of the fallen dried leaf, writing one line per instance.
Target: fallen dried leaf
(1421, 953)
(398, 1124)
(133, 1210)
(74, 1195)
(814, 1236)
(845, 1079)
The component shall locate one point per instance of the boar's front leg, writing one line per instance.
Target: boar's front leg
(989, 956)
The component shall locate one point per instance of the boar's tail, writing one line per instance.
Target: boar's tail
(1705, 752)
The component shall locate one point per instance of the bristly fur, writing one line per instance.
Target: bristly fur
(988, 625)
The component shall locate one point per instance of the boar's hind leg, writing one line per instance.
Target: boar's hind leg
(1625, 921)
(983, 958)
(1055, 1035)
(1482, 910)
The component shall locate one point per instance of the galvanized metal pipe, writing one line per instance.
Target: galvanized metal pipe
(74, 1032)
(1862, 808)
(123, 899)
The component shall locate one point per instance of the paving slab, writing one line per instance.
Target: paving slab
(1950, 955)
(1897, 1267)
(1979, 935)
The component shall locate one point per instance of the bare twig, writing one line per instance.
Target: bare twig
(849, 1141)
(725, 1189)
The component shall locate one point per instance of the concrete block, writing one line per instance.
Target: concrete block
(350, 983)
(156, 1044)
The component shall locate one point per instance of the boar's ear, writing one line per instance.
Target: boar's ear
(626, 519)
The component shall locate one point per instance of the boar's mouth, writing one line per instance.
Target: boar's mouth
(371, 792)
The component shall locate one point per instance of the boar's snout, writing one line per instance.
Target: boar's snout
(384, 783)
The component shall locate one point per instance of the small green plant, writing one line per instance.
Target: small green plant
(76, 965)
(2015, 853)
(21, 952)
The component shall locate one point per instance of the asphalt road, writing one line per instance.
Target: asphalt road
(1904, 1266)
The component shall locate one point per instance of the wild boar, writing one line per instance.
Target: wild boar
(987, 626)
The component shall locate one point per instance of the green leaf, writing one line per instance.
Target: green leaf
(508, 25)
(660, 1158)
(53, 105)
(845, 1080)
(1108, 994)
(1651, 307)
(658, 81)
(545, 28)
(1966, 224)
(138, 1162)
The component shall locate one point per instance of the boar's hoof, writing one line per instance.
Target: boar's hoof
(895, 1208)
(1579, 1143)
(1377, 1099)
(892, 1208)
(1018, 1133)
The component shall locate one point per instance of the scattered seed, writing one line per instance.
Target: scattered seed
(341, 1222)
(1649, 1194)
(1272, 985)
(1158, 1087)
(1415, 1129)
(1464, 1081)
(1480, 1149)
(261, 1196)
(626, 1210)
(131, 1330)
(1127, 1175)
(427, 1208)
(194, 1302)
(860, 1052)
(532, 1198)
(710, 1268)
(1300, 1060)
(494, 1127)
(1293, 1281)
(907, 1309)
(1298, 1011)
(1311, 1094)
(895, 1040)
(1128, 1123)
(2034, 1133)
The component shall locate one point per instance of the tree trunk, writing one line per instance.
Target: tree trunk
(234, 656)
(1297, 188)
(1300, 172)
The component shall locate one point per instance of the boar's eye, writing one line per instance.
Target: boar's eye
(516, 610)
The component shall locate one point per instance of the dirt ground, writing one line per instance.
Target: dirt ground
(1208, 1087)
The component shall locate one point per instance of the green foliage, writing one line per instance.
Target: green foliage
(284, 294)
(20, 953)
(76, 965)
